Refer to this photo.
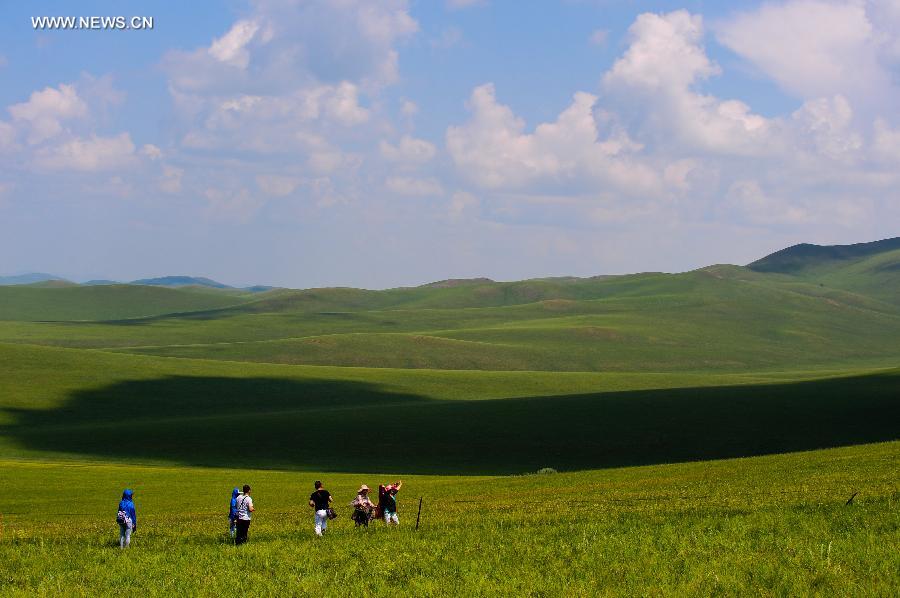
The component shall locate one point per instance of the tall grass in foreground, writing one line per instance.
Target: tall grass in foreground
(766, 526)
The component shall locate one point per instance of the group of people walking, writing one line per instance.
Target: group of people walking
(364, 510)
(240, 511)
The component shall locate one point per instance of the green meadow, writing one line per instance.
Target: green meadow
(707, 430)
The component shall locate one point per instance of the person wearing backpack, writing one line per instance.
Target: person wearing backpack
(363, 507)
(126, 517)
(320, 501)
(232, 513)
(243, 509)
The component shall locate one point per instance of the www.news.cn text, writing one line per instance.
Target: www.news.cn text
(95, 23)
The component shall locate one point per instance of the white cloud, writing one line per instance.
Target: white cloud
(886, 142)
(752, 203)
(231, 47)
(151, 151)
(286, 45)
(653, 81)
(90, 154)
(343, 105)
(494, 151)
(277, 185)
(677, 175)
(45, 111)
(415, 187)
(171, 179)
(815, 48)
(409, 151)
(269, 124)
(826, 127)
(462, 203)
(329, 161)
(409, 108)
(299, 82)
(665, 53)
(235, 205)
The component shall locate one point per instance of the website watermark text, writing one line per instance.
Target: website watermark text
(94, 23)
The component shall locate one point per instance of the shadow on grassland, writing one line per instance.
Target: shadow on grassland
(335, 425)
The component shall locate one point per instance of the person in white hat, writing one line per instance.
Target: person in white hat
(363, 507)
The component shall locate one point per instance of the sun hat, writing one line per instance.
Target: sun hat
(362, 488)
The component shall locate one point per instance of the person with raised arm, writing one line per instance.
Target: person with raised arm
(387, 502)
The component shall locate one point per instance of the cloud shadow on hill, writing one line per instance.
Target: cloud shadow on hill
(338, 425)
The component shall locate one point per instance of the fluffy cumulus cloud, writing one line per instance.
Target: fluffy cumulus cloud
(298, 107)
(231, 47)
(55, 129)
(90, 155)
(654, 84)
(295, 80)
(815, 48)
(656, 136)
(277, 185)
(749, 201)
(887, 142)
(408, 151)
(495, 151)
(45, 111)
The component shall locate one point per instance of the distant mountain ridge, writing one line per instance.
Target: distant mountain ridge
(29, 278)
(848, 267)
(456, 282)
(181, 281)
(806, 256)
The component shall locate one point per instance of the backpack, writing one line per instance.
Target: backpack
(241, 505)
(122, 518)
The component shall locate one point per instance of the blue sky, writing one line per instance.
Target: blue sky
(383, 143)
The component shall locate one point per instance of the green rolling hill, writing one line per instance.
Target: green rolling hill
(871, 269)
(835, 307)
(656, 382)
(106, 302)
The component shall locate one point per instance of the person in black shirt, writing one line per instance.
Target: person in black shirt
(319, 501)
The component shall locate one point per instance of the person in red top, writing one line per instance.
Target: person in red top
(387, 502)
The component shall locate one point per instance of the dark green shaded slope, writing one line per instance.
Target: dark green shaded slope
(286, 418)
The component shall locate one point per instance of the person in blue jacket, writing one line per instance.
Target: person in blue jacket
(126, 517)
(232, 512)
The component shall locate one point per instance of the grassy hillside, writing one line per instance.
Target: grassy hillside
(722, 318)
(806, 257)
(773, 525)
(184, 393)
(108, 302)
(871, 269)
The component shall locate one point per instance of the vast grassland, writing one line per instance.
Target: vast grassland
(764, 526)
(708, 427)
